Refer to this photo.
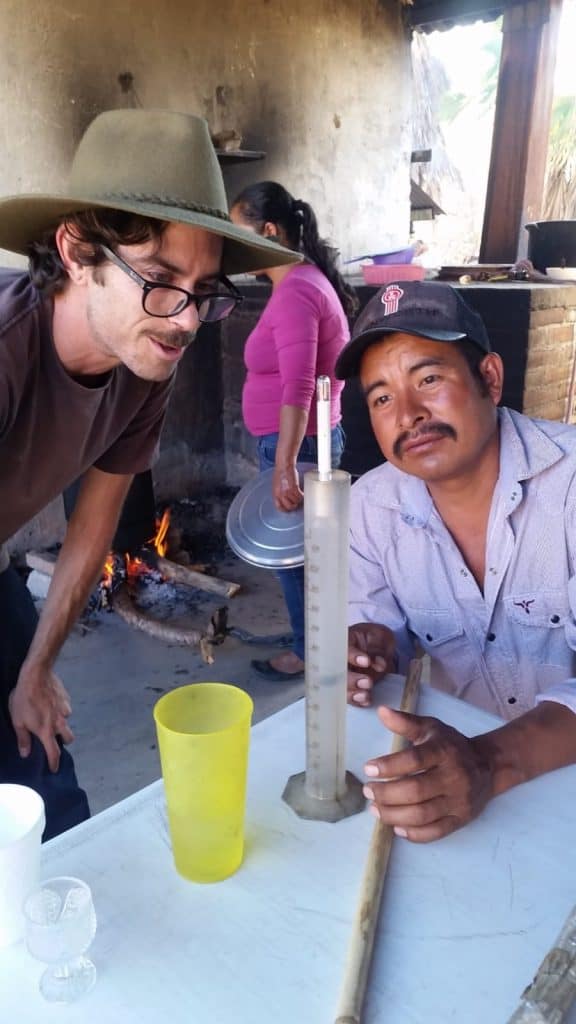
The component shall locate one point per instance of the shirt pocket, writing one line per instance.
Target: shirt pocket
(549, 609)
(538, 624)
(440, 632)
(433, 627)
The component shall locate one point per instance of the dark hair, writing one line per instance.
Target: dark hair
(90, 229)
(269, 201)
(474, 355)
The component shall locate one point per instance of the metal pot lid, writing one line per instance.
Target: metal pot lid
(258, 532)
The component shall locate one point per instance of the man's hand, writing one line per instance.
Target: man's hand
(434, 786)
(286, 490)
(371, 654)
(39, 705)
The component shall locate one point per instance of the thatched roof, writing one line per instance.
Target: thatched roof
(430, 83)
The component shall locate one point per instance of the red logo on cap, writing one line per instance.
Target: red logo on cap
(390, 299)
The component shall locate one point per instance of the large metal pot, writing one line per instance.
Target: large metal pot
(552, 243)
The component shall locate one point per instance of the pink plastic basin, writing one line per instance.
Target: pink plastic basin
(374, 274)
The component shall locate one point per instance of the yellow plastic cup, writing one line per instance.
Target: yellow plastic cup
(203, 737)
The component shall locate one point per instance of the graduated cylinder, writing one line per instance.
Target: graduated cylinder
(326, 523)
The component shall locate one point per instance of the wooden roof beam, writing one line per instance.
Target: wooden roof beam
(515, 191)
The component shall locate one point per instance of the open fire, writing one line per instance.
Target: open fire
(123, 574)
(121, 568)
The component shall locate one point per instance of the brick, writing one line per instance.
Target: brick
(536, 358)
(533, 379)
(547, 410)
(554, 315)
(551, 337)
(560, 332)
(557, 372)
(549, 295)
(536, 339)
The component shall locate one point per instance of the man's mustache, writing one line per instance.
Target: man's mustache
(443, 429)
(175, 339)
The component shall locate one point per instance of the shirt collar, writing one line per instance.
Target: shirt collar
(525, 450)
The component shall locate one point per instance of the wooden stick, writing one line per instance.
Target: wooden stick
(184, 574)
(549, 997)
(366, 919)
(45, 561)
(206, 639)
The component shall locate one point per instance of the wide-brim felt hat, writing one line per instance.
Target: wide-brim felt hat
(154, 163)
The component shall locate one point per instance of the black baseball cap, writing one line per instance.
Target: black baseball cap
(428, 309)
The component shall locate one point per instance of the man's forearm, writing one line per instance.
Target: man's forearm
(538, 742)
(88, 539)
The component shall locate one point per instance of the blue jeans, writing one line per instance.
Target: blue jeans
(65, 802)
(292, 580)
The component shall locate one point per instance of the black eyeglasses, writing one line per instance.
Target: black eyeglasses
(168, 300)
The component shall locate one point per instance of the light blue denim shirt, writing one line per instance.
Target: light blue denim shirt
(514, 644)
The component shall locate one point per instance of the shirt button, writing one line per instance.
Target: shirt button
(491, 636)
(555, 619)
(429, 636)
(511, 700)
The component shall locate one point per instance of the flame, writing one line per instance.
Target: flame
(135, 567)
(159, 540)
(108, 571)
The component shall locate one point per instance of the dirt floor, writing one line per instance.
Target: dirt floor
(116, 673)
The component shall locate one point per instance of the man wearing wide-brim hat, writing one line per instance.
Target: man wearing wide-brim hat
(124, 267)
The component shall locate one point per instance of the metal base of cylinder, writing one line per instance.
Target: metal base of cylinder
(314, 809)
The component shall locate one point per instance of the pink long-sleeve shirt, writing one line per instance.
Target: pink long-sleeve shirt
(297, 338)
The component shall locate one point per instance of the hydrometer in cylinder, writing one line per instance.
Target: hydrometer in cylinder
(325, 791)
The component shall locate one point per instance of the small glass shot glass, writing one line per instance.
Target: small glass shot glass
(60, 927)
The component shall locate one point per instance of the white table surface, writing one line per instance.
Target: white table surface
(464, 922)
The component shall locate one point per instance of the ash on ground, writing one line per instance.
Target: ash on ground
(171, 601)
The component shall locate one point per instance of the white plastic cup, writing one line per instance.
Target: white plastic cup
(22, 822)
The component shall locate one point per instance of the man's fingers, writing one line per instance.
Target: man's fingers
(64, 706)
(362, 698)
(417, 756)
(52, 749)
(409, 791)
(415, 728)
(65, 733)
(420, 823)
(358, 657)
(429, 833)
(24, 740)
(417, 815)
(359, 690)
(362, 659)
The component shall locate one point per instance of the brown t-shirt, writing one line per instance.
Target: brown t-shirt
(53, 428)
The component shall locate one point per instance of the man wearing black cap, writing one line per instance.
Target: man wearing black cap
(125, 265)
(464, 542)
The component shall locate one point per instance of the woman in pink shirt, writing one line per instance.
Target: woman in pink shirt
(299, 336)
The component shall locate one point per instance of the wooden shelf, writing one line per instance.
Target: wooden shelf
(238, 156)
